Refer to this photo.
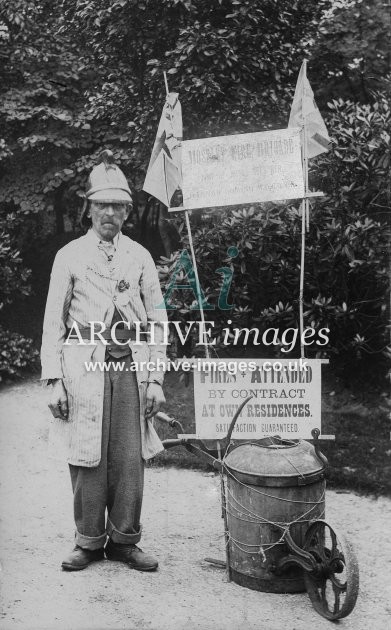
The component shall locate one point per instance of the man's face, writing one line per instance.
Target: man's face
(107, 218)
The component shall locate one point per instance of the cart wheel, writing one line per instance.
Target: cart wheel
(333, 586)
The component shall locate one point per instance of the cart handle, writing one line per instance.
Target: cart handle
(160, 415)
(236, 416)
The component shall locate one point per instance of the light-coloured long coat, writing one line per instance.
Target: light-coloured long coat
(84, 288)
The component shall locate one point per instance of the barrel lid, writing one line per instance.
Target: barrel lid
(274, 457)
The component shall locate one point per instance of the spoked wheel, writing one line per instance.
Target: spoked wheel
(333, 586)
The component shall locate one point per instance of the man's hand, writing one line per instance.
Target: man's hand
(155, 398)
(58, 404)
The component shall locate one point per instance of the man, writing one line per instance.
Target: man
(107, 281)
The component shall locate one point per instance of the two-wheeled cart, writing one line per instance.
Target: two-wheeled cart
(273, 506)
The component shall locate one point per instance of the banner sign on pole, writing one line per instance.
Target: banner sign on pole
(286, 398)
(243, 168)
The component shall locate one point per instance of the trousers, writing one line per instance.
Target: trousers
(107, 499)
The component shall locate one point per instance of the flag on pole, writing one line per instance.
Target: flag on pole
(305, 111)
(164, 173)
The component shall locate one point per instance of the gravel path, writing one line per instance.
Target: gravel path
(182, 526)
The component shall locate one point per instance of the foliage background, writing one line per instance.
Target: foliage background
(78, 75)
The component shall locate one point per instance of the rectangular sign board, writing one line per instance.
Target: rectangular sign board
(286, 398)
(243, 168)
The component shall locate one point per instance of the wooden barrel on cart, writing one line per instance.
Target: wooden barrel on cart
(271, 485)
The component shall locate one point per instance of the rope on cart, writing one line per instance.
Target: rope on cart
(271, 496)
(260, 548)
(261, 520)
(268, 521)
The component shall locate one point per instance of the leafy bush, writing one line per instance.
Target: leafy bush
(17, 353)
(351, 53)
(14, 277)
(356, 173)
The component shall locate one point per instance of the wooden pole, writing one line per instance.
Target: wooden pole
(199, 297)
(188, 227)
(304, 215)
(166, 82)
(301, 291)
(224, 515)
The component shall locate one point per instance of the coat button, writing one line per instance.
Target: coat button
(114, 298)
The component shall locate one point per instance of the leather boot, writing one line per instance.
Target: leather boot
(80, 558)
(132, 555)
